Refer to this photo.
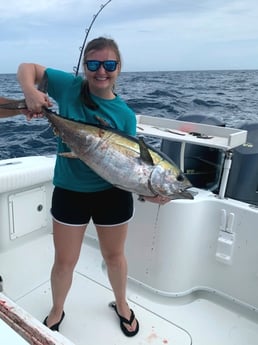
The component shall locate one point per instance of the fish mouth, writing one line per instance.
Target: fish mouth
(186, 194)
(182, 194)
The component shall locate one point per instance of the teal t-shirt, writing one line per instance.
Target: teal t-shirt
(65, 88)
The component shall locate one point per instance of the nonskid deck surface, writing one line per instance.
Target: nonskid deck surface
(195, 319)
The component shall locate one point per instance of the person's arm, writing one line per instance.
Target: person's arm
(29, 75)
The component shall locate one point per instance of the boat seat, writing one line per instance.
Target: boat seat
(243, 177)
(23, 172)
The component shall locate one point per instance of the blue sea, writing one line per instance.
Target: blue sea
(230, 96)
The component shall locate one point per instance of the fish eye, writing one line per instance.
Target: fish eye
(180, 178)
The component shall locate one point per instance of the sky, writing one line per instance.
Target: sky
(153, 35)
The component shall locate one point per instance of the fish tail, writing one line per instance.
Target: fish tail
(11, 104)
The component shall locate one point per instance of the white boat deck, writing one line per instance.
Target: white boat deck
(200, 318)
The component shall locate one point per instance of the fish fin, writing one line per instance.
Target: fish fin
(68, 154)
(55, 131)
(103, 125)
(144, 151)
(120, 187)
(102, 121)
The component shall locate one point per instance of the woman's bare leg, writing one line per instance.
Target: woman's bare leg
(112, 240)
(67, 242)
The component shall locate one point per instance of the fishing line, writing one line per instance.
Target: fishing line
(76, 68)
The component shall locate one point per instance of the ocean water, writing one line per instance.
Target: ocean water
(230, 96)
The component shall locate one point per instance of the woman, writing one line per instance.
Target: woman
(80, 194)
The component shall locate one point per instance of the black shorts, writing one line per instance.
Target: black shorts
(107, 208)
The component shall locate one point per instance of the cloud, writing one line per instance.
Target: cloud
(152, 34)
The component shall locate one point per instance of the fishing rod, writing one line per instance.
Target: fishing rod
(76, 68)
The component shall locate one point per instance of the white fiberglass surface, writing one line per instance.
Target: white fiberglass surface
(194, 319)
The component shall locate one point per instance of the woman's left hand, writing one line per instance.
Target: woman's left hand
(30, 114)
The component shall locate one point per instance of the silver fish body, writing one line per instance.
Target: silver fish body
(119, 160)
(124, 161)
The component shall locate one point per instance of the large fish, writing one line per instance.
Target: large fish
(124, 161)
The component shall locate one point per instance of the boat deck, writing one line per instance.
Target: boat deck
(199, 318)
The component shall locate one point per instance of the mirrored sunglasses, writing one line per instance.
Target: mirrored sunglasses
(94, 65)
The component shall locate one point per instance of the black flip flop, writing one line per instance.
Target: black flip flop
(125, 321)
(55, 327)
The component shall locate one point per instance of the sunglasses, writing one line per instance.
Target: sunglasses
(94, 65)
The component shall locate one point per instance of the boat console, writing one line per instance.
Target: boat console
(202, 151)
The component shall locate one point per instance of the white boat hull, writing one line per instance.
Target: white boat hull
(193, 270)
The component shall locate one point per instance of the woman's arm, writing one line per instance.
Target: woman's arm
(29, 75)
